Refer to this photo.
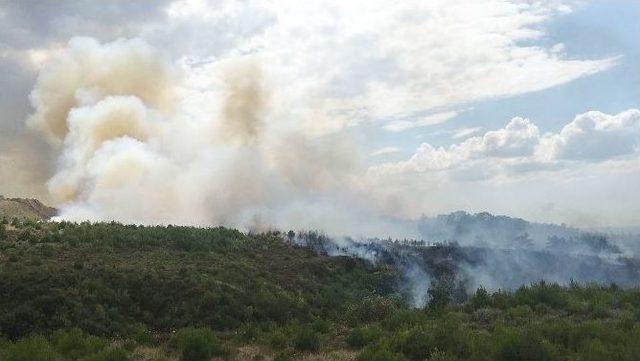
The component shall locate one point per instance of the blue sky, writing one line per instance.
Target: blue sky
(593, 30)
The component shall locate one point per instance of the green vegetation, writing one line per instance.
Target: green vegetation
(197, 344)
(110, 292)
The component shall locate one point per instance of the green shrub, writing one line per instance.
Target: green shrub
(416, 343)
(577, 306)
(440, 294)
(74, 344)
(502, 299)
(600, 307)
(379, 353)
(542, 293)
(371, 309)
(144, 337)
(487, 316)
(306, 340)
(480, 299)
(402, 318)
(282, 357)
(438, 355)
(449, 336)
(110, 354)
(320, 325)
(522, 345)
(481, 347)
(27, 235)
(278, 339)
(594, 351)
(362, 336)
(34, 348)
(248, 333)
(197, 344)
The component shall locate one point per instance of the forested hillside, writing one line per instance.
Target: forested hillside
(112, 292)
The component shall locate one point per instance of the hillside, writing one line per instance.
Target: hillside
(112, 292)
(24, 208)
(488, 229)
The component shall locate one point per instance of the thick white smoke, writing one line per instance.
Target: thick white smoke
(134, 147)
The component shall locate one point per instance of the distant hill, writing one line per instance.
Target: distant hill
(485, 229)
(25, 208)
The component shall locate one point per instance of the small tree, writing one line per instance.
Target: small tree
(440, 293)
(480, 299)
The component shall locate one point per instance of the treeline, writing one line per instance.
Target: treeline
(112, 292)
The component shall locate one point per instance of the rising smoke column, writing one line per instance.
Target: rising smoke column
(132, 148)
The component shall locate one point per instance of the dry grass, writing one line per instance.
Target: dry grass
(337, 355)
(143, 353)
(258, 353)
(25, 209)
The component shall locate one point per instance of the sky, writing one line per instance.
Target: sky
(289, 113)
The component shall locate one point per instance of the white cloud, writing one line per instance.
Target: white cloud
(592, 164)
(598, 136)
(558, 48)
(384, 150)
(593, 145)
(338, 63)
(465, 132)
(519, 146)
(438, 118)
(518, 139)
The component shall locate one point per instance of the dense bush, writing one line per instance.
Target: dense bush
(197, 344)
(415, 343)
(379, 353)
(104, 278)
(306, 339)
(370, 309)
(362, 336)
(76, 345)
(440, 294)
(34, 348)
(111, 292)
(523, 345)
(110, 354)
(480, 299)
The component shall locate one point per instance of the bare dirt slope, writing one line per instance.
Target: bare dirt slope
(25, 208)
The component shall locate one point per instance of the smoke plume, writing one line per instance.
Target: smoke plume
(137, 144)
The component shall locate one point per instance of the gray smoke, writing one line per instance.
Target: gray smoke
(494, 252)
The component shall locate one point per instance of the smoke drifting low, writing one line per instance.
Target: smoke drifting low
(135, 147)
(495, 252)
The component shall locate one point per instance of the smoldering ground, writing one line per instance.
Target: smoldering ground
(469, 251)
